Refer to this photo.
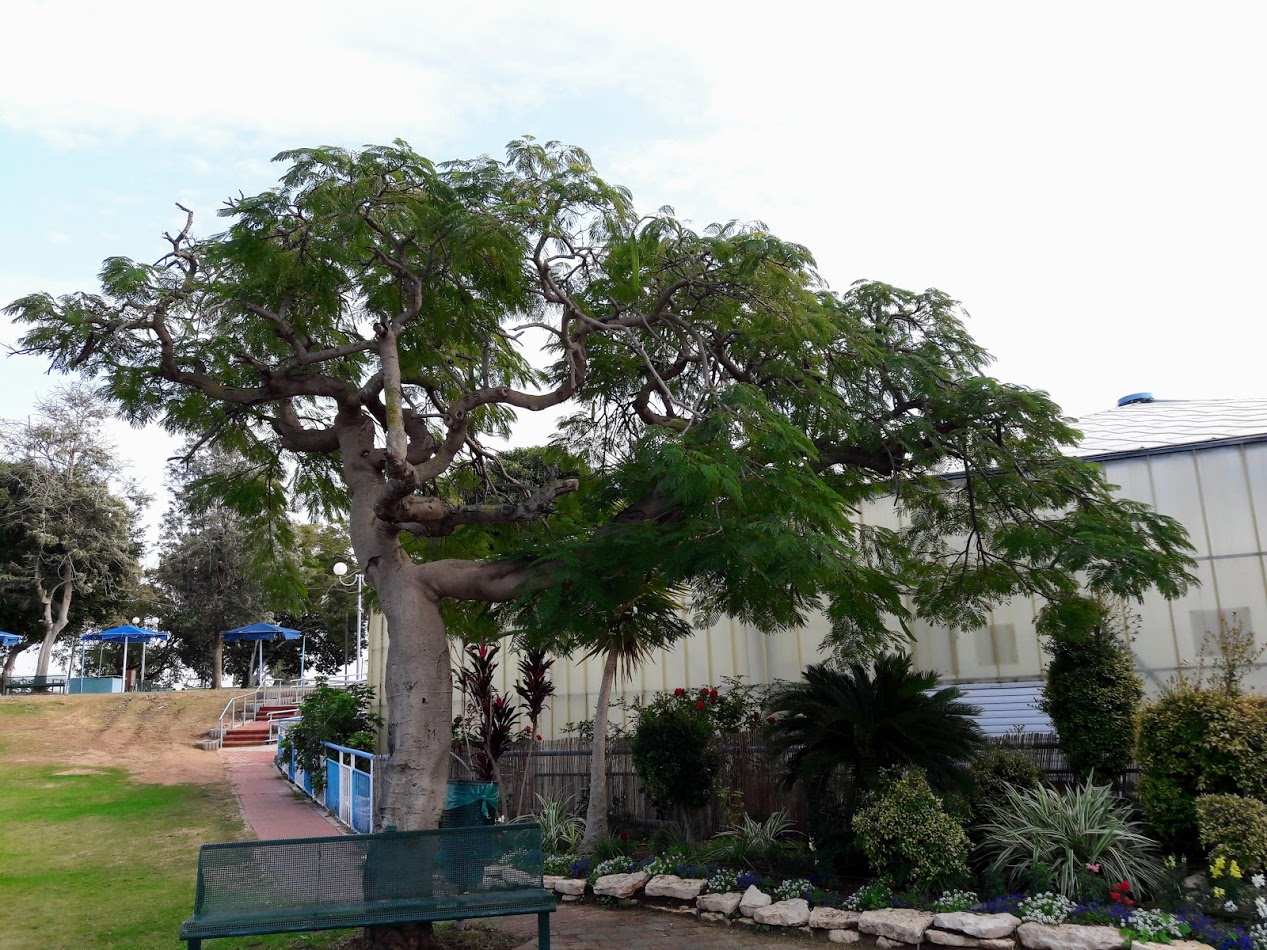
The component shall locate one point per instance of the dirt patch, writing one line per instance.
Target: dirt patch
(152, 735)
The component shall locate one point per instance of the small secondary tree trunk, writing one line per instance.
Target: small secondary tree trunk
(596, 810)
(55, 623)
(217, 662)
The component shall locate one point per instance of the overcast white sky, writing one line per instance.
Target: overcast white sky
(1087, 178)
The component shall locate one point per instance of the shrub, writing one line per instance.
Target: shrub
(1092, 693)
(994, 771)
(1234, 828)
(674, 754)
(1066, 831)
(327, 714)
(908, 837)
(1193, 742)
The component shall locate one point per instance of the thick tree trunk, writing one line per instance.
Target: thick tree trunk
(419, 693)
(401, 937)
(596, 810)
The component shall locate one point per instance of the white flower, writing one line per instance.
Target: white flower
(1260, 905)
(1230, 907)
(1259, 881)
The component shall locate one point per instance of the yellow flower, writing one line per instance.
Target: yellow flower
(1235, 870)
(1216, 869)
(1219, 893)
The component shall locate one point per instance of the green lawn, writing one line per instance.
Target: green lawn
(98, 860)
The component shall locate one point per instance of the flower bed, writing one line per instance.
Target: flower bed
(1044, 921)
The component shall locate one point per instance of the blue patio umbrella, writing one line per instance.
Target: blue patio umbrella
(9, 639)
(261, 632)
(129, 634)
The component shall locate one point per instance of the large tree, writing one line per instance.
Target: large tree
(359, 332)
(72, 547)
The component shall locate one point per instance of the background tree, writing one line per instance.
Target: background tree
(214, 574)
(206, 576)
(74, 548)
(364, 327)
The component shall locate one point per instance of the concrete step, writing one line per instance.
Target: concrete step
(276, 712)
(253, 733)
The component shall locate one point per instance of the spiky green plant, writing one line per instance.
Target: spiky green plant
(750, 841)
(561, 827)
(1066, 831)
(850, 724)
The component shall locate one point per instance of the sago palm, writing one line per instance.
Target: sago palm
(843, 726)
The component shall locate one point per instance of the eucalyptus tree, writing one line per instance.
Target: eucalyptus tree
(368, 325)
(72, 551)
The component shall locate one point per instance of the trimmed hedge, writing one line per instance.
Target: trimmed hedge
(1235, 828)
(1194, 742)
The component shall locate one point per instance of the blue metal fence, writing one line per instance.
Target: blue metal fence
(349, 791)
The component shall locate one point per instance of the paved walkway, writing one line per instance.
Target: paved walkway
(590, 927)
(274, 809)
(270, 804)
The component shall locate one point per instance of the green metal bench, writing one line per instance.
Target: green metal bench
(247, 888)
(35, 684)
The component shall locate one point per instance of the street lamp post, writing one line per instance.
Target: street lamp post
(340, 569)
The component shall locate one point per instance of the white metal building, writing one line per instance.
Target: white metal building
(1202, 462)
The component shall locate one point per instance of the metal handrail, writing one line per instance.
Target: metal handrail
(248, 703)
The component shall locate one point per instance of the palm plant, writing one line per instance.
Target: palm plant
(841, 727)
(1068, 832)
(624, 623)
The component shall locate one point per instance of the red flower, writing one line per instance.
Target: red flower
(713, 693)
(700, 704)
(771, 720)
(703, 690)
(624, 836)
(679, 691)
(538, 737)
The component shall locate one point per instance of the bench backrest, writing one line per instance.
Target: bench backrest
(37, 681)
(243, 877)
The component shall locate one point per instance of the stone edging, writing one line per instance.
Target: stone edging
(893, 929)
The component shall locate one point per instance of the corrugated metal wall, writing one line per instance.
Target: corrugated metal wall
(1219, 493)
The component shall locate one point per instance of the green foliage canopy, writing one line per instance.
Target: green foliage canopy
(735, 411)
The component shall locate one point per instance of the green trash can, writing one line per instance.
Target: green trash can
(469, 803)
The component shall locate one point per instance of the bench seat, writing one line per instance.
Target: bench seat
(248, 888)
